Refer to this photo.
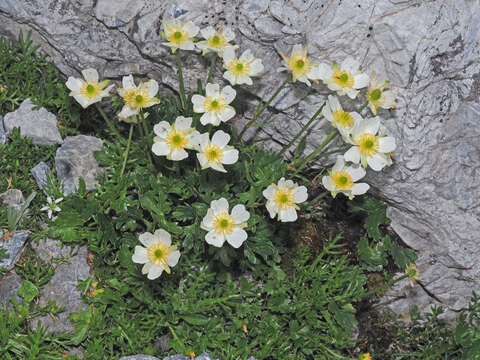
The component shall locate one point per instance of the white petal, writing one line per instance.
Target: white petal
(218, 167)
(339, 164)
(207, 221)
(173, 258)
(237, 237)
(244, 80)
(300, 194)
(327, 183)
(74, 84)
(178, 155)
(162, 128)
(219, 206)
(228, 54)
(160, 148)
(325, 72)
(228, 34)
(151, 86)
(191, 28)
(269, 192)
(376, 162)
(203, 140)
(351, 93)
(334, 103)
(210, 118)
(240, 214)
(247, 55)
(298, 49)
(232, 79)
(198, 101)
(386, 144)
(127, 111)
(227, 114)
(352, 155)
(163, 236)
(370, 126)
(203, 161)
(183, 123)
(147, 239)
(90, 74)
(140, 255)
(154, 272)
(256, 67)
(272, 209)
(359, 189)
(212, 89)
(214, 239)
(82, 100)
(220, 138)
(146, 268)
(350, 64)
(288, 215)
(208, 32)
(127, 82)
(230, 157)
(228, 93)
(356, 172)
(360, 81)
(282, 183)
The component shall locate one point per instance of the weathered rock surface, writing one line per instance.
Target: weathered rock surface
(139, 357)
(74, 159)
(40, 125)
(39, 173)
(9, 285)
(429, 49)
(62, 287)
(13, 246)
(48, 249)
(3, 134)
(12, 198)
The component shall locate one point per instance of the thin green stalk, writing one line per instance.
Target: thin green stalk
(212, 67)
(144, 123)
(331, 152)
(329, 138)
(364, 105)
(180, 81)
(125, 155)
(145, 135)
(304, 128)
(260, 109)
(112, 128)
(319, 197)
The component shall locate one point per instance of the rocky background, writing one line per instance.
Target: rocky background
(429, 49)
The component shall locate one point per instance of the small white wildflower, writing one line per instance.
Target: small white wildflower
(341, 178)
(215, 106)
(52, 207)
(178, 35)
(240, 70)
(342, 120)
(377, 96)
(300, 65)
(172, 140)
(137, 98)
(216, 153)
(216, 41)
(88, 91)
(223, 226)
(282, 199)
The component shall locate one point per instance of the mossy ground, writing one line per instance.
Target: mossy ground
(304, 307)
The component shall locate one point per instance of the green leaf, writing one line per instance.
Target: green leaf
(371, 255)
(376, 211)
(27, 291)
(195, 319)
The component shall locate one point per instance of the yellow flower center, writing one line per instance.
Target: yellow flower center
(284, 199)
(343, 78)
(224, 223)
(375, 95)
(299, 65)
(215, 104)
(413, 272)
(177, 139)
(177, 36)
(213, 153)
(239, 67)
(342, 180)
(136, 98)
(344, 119)
(91, 89)
(366, 356)
(217, 41)
(158, 254)
(368, 144)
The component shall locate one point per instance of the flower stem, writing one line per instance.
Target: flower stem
(212, 68)
(260, 109)
(145, 135)
(331, 152)
(307, 125)
(180, 81)
(314, 153)
(112, 128)
(364, 105)
(319, 197)
(125, 155)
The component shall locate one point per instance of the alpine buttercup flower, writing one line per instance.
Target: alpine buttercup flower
(215, 153)
(215, 106)
(88, 91)
(239, 70)
(178, 35)
(413, 273)
(368, 147)
(344, 79)
(377, 96)
(300, 65)
(341, 179)
(158, 255)
(342, 120)
(222, 226)
(137, 98)
(282, 199)
(52, 207)
(172, 140)
(216, 41)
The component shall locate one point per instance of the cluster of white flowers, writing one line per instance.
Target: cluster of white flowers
(370, 146)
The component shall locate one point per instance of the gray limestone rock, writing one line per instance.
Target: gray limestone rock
(39, 173)
(9, 285)
(74, 159)
(139, 357)
(40, 125)
(13, 245)
(3, 134)
(48, 249)
(12, 198)
(62, 288)
(428, 49)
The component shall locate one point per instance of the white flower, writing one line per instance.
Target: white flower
(377, 96)
(216, 41)
(344, 79)
(342, 179)
(239, 70)
(340, 119)
(51, 207)
(282, 199)
(158, 254)
(214, 153)
(215, 105)
(88, 91)
(137, 98)
(370, 148)
(223, 226)
(172, 140)
(300, 65)
(178, 35)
